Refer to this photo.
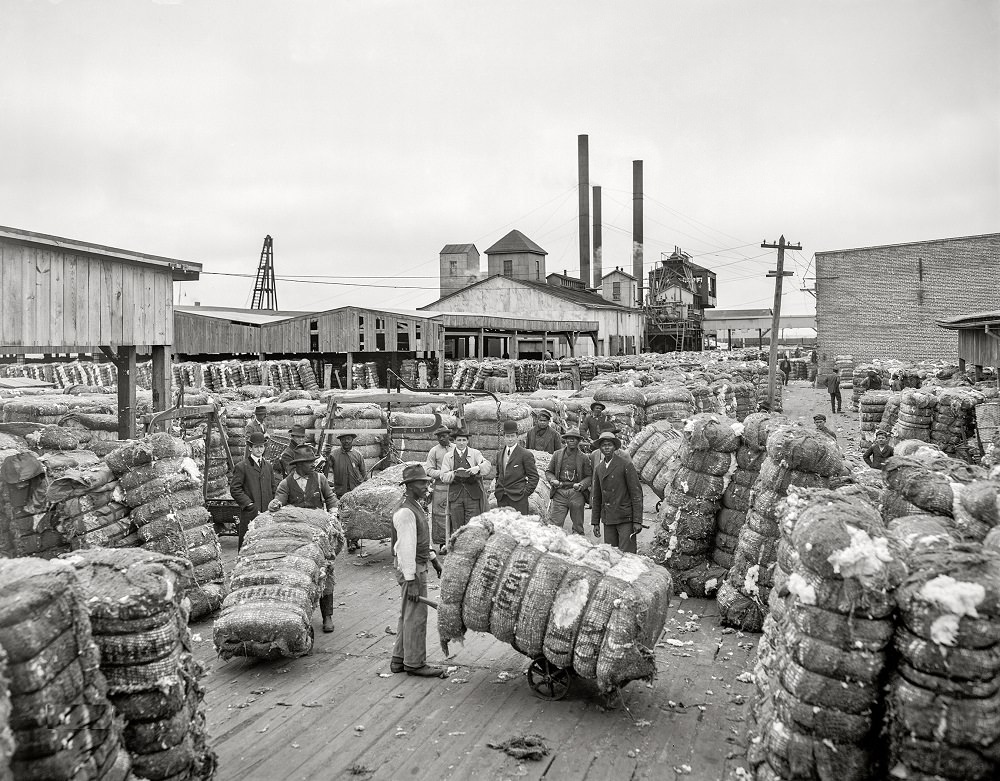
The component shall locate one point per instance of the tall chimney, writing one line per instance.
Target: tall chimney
(598, 238)
(583, 165)
(637, 227)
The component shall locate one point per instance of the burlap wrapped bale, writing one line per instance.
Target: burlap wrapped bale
(280, 573)
(366, 512)
(944, 701)
(6, 736)
(580, 605)
(63, 724)
(139, 620)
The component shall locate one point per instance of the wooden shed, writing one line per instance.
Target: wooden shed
(978, 339)
(64, 295)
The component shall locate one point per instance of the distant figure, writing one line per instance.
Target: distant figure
(592, 425)
(255, 426)
(874, 381)
(896, 384)
(434, 466)
(517, 475)
(880, 451)
(347, 468)
(820, 421)
(297, 435)
(617, 497)
(570, 475)
(832, 383)
(251, 485)
(542, 436)
(786, 368)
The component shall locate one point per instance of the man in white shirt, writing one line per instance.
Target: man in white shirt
(411, 545)
(439, 498)
(463, 471)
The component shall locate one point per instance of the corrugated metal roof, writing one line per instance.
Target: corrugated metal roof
(975, 320)
(248, 316)
(579, 297)
(515, 242)
(182, 270)
(457, 249)
(909, 243)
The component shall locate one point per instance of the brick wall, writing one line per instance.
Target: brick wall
(881, 302)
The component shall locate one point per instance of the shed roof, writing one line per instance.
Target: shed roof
(976, 320)
(182, 270)
(909, 243)
(515, 242)
(578, 297)
(619, 272)
(457, 249)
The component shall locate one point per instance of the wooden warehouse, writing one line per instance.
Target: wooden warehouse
(978, 339)
(63, 295)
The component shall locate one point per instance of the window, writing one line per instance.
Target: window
(453, 268)
(403, 337)
(361, 333)
(380, 340)
(314, 325)
(616, 291)
(538, 270)
(508, 268)
(379, 323)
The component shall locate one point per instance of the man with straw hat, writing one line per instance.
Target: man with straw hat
(307, 488)
(569, 474)
(411, 546)
(617, 497)
(439, 498)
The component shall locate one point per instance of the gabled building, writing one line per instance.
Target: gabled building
(679, 293)
(517, 257)
(459, 267)
(620, 287)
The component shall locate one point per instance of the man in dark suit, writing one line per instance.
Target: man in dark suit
(616, 497)
(252, 485)
(517, 475)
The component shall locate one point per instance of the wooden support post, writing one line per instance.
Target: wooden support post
(513, 346)
(729, 337)
(161, 377)
(979, 372)
(961, 364)
(350, 371)
(545, 343)
(760, 339)
(124, 361)
(481, 344)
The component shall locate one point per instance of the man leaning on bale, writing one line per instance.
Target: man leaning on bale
(411, 546)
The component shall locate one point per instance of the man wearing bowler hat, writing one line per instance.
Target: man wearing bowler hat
(251, 485)
(542, 436)
(307, 488)
(439, 496)
(411, 546)
(569, 474)
(591, 427)
(255, 426)
(517, 475)
(617, 497)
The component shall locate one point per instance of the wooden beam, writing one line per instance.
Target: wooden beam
(350, 371)
(161, 377)
(126, 391)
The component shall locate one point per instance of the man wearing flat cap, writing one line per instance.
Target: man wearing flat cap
(255, 426)
(617, 497)
(517, 475)
(251, 485)
(820, 420)
(542, 436)
(296, 445)
(569, 475)
(439, 491)
(463, 470)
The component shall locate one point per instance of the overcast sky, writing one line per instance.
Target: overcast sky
(364, 135)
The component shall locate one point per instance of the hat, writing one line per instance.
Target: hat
(350, 434)
(441, 430)
(597, 404)
(298, 430)
(509, 427)
(573, 433)
(544, 413)
(413, 473)
(259, 408)
(258, 439)
(881, 432)
(461, 433)
(302, 455)
(819, 416)
(608, 436)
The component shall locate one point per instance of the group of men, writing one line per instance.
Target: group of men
(293, 479)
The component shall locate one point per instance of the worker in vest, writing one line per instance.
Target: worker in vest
(307, 488)
(463, 470)
(347, 468)
(439, 498)
(569, 474)
(411, 546)
(542, 436)
(255, 426)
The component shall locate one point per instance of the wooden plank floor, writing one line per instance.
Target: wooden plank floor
(338, 713)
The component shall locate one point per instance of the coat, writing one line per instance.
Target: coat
(252, 486)
(520, 478)
(546, 440)
(447, 471)
(617, 494)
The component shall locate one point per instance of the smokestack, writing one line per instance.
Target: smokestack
(583, 165)
(598, 239)
(637, 227)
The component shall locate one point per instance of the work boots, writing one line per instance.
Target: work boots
(326, 610)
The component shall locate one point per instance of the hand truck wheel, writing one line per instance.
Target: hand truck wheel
(548, 681)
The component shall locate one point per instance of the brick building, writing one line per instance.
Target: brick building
(883, 302)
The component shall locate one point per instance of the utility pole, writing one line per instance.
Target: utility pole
(779, 275)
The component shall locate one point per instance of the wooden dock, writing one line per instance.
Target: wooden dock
(339, 713)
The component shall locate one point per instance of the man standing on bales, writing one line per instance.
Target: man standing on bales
(463, 470)
(617, 497)
(542, 436)
(439, 497)
(411, 546)
(517, 475)
(569, 474)
(347, 467)
(251, 485)
(305, 487)
(880, 452)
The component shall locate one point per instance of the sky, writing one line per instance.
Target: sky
(364, 135)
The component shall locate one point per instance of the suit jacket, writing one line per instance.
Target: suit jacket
(447, 472)
(252, 486)
(519, 479)
(617, 493)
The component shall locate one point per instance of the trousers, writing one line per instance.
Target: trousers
(836, 403)
(567, 500)
(439, 514)
(411, 631)
(620, 536)
(462, 508)
(521, 505)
